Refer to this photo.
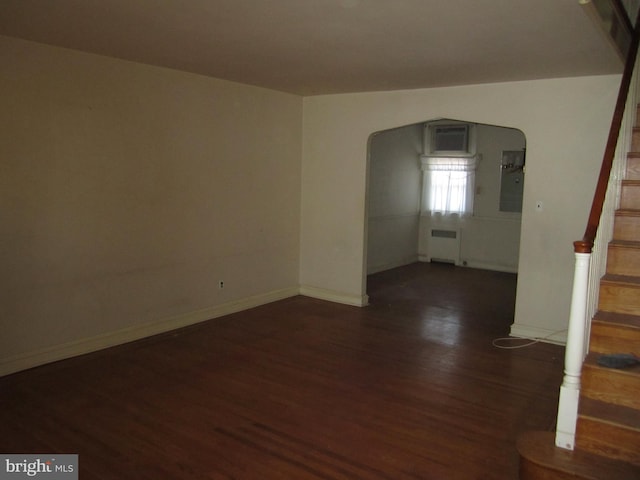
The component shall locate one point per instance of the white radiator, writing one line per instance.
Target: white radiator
(444, 245)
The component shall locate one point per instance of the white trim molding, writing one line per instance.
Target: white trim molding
(333, 296)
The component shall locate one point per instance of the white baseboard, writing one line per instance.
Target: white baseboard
(490, 266)
(479, 265)
(87, 345)
(541, 334)
(388, 266)
(333, 296)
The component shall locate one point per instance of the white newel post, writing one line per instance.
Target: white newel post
(574, 356)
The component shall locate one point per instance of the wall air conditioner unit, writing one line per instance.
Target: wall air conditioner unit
(450, 138)
(444, 246)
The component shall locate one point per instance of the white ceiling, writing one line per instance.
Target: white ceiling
(311, 47)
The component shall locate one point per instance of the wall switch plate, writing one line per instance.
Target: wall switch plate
(539, 206)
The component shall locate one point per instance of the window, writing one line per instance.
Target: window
(448, 184)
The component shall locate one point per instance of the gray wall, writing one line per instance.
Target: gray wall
(393, 198)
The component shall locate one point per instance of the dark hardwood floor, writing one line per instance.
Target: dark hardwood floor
(409, 387)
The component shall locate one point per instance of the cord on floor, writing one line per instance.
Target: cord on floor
(530, 341)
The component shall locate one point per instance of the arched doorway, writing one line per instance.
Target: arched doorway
(402, 226)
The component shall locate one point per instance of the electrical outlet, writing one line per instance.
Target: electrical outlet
(221, 285)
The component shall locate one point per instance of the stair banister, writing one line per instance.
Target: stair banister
(579, 317)
(574, 355)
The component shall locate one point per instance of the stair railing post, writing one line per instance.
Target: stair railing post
(574, 354)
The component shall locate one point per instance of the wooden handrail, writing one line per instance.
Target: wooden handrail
(586, 244)
(622, 14)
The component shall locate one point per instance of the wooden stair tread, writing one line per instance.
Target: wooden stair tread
(635, 183)
(592, 362)
(538, 448)
(612, 414)
(620, 292)
(627, 212)
(614, 332)
(621, 319)
(623, 256)
(616, 386)
(624, 243)
(627, 280)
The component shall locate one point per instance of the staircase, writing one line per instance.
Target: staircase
(608, 428)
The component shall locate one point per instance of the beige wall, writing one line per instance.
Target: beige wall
(128, 192)
(565, 122)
